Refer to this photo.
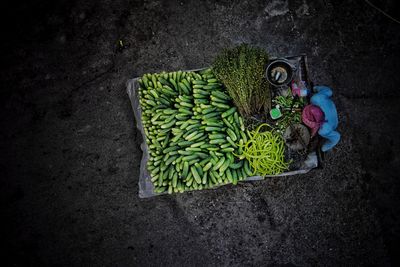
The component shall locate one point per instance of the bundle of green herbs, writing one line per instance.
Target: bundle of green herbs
(242, 71)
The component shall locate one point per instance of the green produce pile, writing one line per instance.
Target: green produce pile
(192, 131)
(242, 71)
(265, 151)
(291, 110)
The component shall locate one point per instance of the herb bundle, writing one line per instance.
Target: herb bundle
(242, 70)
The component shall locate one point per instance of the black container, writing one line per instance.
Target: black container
(280, 72)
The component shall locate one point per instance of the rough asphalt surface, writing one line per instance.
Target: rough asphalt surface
(70, 152)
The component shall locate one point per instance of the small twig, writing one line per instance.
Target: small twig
(381, 11)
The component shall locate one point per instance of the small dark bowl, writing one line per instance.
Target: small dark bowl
(280, 64)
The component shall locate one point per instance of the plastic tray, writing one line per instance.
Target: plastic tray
(146, 188)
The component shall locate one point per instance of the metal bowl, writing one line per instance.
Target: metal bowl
(279, 72)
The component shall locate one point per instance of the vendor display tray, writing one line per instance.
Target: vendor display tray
(300, 163)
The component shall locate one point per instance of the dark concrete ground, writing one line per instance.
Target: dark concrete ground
(70, 152)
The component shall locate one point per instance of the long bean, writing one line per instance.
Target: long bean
(265, 152)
